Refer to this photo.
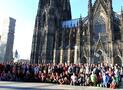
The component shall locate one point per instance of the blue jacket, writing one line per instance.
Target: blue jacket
(105, 79)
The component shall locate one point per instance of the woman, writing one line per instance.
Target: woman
(113, 83)
(93, 79)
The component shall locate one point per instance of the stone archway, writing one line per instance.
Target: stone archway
(99, 57)
(83, 60)
(118, 60)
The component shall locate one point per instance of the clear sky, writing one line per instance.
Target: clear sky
(24, 11)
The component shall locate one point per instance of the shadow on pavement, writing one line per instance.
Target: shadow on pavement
(23, 88)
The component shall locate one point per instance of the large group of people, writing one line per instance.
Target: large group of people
(99, 75)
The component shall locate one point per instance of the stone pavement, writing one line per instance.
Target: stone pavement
(43, 86)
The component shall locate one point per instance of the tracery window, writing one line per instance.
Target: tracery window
(99, 27)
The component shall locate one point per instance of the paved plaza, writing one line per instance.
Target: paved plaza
(43, 86)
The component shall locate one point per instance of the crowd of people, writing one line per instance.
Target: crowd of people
(99, 75)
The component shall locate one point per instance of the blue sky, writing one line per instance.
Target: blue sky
(81, 7)
(24, 11)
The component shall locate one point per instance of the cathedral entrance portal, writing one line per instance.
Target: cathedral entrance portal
(83, 60)
(117, 60)
(99, 57)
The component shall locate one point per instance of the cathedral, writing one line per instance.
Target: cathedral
(96, 38)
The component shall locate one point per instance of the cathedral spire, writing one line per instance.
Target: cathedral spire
(122, 17)
(110, 1)
(41, 5)
(90, 23)
(80, 20)
(68, 4)
(90, 8)
(66, 10)
(110, 6)
(121, 21)
(89, 4)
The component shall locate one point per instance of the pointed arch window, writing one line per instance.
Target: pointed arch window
(99, 27)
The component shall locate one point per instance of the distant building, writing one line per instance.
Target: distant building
(7, 30)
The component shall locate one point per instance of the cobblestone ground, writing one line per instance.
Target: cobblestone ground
(43, 86)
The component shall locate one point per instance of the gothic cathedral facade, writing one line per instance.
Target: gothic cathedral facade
(96, 38)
